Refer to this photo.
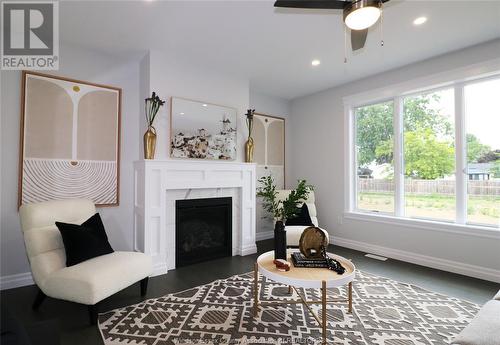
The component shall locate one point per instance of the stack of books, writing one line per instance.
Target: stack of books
(300, 260)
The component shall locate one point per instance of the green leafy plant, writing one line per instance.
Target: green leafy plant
(426, 156)
(476, 150)
(282, 209)
(374, 132)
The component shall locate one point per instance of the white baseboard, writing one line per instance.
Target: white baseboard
(265, 235)
(159, 269)
(16, 280)
(247, 250)
(419, 259)
(24, 279)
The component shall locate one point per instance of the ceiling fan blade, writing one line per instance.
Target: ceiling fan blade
(358, 38)
(315, 4)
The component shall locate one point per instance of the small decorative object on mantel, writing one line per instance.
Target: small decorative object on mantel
(281, 209)
(249, 143)
(152, 105)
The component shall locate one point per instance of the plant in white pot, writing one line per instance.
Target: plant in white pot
(281, 210)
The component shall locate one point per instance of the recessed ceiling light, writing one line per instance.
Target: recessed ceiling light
(419, 20)
(315, 62)
(181, 113)
(205, 105)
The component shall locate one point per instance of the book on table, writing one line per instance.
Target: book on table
(300, 260)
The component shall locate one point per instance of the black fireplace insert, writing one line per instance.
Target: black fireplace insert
(203, 230)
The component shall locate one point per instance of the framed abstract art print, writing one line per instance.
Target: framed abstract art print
(70, 140)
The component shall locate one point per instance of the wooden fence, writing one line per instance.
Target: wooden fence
(447, 187)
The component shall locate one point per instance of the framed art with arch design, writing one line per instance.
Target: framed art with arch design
(69, 140)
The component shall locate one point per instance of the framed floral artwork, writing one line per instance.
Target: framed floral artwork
(202, 130)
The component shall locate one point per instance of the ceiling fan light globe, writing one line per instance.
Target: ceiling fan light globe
(362, 18)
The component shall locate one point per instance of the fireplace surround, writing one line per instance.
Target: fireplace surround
(160, 183)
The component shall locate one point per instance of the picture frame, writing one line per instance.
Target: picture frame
(270, 149)
(202, 130)
(69, 140)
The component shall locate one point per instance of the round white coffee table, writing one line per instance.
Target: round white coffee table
(304, 277)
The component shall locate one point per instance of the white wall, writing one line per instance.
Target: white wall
(319, 139)
(144, 92)
(172, 76)
(271, 105)
(84, 65)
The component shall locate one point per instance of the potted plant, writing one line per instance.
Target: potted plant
(152, 105)
(281, 210)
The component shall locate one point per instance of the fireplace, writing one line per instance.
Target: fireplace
(160, 182)
(203, 230)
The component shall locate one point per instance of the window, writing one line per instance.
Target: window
(375, 167)
(482, 118)
(431, 155)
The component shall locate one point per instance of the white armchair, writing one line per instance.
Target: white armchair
(88, 282)
(293, 232)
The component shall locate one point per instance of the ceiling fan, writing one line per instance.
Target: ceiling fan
(359, 15)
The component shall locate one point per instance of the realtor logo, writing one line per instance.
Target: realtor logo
(30, 35)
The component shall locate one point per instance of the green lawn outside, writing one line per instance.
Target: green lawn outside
(480, 209)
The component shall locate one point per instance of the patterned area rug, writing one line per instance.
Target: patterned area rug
(385, 312)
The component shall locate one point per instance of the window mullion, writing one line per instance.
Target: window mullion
(460, 156)
(399, 201)
(351, 171)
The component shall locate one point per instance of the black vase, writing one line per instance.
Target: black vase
(279, 240)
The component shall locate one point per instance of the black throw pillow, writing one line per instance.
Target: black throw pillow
(302, 218)
(84, 242)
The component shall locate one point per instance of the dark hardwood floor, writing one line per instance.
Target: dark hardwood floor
(73, 318)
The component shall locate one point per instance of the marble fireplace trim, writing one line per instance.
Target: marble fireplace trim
(158, 183)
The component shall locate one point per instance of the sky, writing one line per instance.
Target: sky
(482, 110)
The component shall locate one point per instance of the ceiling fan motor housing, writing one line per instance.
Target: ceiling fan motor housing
(358, 5)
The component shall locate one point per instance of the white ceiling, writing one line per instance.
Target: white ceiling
(271, 47)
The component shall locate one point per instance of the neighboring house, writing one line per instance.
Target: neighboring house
(479, 171)
(364, 172)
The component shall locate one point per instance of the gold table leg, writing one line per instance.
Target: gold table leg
(323, 309)
(324, 320)
(350, 297)
(255, 290)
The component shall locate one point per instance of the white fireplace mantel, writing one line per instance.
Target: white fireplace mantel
(153, 213)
